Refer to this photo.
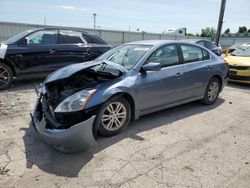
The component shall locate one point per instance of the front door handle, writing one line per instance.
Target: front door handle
(19, 55)
(52, 51)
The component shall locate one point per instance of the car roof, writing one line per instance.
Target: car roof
(58, 28)
(160, 42)
(195, 40)
(152, 42)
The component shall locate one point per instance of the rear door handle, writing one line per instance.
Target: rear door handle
(178, 74)
(52, 51)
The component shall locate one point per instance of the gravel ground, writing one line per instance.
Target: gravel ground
(188, 146)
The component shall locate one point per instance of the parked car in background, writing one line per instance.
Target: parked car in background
(208, 44)
(45, 50)
(131, 80)
(239, 64)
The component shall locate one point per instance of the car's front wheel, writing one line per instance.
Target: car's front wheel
(6, 76)
(113, 116)
(212, 91)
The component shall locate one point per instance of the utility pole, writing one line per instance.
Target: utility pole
(94, 20)
(220, 22)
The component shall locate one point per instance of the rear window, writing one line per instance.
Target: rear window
(210, 45)
(93, 39)
(201, 43)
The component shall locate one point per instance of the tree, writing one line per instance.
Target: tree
(190, 34)
(227, 31)
(248, 30)
(208, 32)
(242, 29)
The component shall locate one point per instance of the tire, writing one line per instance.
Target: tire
(6, 76)
(110, 114)
(212, 91)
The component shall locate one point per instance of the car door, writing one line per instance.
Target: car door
(73, 48)
(158, 88)
(35, 54)
(196, 64)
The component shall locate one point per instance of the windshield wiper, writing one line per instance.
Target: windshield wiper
(125, 56)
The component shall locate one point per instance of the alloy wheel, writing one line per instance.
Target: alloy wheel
(114, 116)
(4, 76)
(213, 91)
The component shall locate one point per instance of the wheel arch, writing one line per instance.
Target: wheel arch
(10, 64)
(130, 100)
(219, 78)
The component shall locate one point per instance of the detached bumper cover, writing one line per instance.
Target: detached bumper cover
(243, 79)
(76, 138)
(240, 74)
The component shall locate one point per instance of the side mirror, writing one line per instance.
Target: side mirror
(151, 66)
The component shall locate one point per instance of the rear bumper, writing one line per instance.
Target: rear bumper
(76, 138)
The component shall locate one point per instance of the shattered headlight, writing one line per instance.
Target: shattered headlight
(75, 102)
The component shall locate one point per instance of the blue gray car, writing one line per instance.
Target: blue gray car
(79, 102)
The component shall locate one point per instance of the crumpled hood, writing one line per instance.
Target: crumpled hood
(69, 70)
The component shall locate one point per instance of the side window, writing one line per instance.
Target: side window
(93, 39)
(166, 56)
(71, 37)
(42, 37)
(206, 54)
(191, 53)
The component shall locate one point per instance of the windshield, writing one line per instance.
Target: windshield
(126, 55)
(17, 37)
(241, 51)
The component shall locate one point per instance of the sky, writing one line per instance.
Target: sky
(151, 16)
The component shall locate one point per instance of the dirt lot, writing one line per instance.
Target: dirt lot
(187, 146)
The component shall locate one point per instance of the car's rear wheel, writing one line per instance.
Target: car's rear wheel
(212, 91)
(6, 76)
(113, 116)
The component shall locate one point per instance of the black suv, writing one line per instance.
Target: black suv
(45, 50)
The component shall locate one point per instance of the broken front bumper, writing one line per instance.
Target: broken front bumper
(76, 138)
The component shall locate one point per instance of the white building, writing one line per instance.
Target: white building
(176, 31)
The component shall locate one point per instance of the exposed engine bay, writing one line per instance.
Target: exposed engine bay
(88, 78)
(59, 90)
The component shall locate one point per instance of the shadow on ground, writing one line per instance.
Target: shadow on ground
(236, 85)
(69, 165)
(25, 83)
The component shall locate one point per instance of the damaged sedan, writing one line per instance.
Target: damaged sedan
(80, 101)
